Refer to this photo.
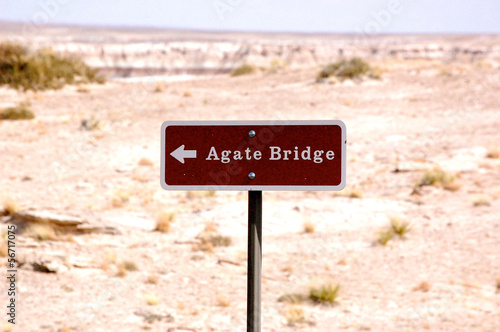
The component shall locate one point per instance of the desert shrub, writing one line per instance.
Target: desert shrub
(437, 177)
(351, 68)
(23, 69)
(19, 112)
(244, 69)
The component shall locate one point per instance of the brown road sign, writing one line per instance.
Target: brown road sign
(253, 155)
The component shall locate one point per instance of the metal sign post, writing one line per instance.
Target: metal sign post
(254, 275)
(253, 156)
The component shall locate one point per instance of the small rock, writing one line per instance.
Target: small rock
(47, 267)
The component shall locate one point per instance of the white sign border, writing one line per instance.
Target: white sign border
(339, 187)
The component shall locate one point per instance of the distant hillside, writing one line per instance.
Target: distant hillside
(130, 52)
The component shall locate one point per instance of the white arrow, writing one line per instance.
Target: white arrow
(180, 153)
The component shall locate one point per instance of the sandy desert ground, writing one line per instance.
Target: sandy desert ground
(115, 273)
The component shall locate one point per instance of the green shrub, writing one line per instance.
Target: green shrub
(243, 70)
(20, 112)
(25, 70)
(352, 68)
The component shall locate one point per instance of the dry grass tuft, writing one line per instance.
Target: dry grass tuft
(4, 249)
(498, 284)
(493, 153)
(217, 240)
(151, 299)
(385, 236)
(83, 89)
(293, 298)
(41, 232)
(206, 247)
(159, 87)
(129, 266)
(120, 198)
(309, 227)
(152, 279)
(122, 271)
(326, 293)
(351, 193)
(482, 200)
(146, 162)
(181, 306)
(399, 226)
(452, 186)
(295, 315)
(222, 301)
(10, 207)
(111, 257)
(64, 329)
(200, 195)
(437, 177)
(422, 287)
(104, 266)
(210, 239)
(210, 227)
(7, 327)
(356, 193)
(276, 65)
(163, 221)
(19, 112)
(91, 124)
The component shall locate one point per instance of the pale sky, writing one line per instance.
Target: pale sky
(361, 16)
